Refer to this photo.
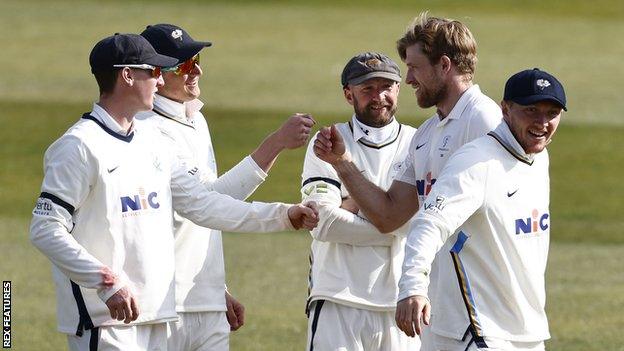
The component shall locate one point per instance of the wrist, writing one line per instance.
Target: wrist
(276, 142)
(343, 164)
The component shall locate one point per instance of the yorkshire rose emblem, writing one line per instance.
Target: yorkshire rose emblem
(542, 83)
(176, 34)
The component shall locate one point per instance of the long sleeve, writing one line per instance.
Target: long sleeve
(322, 185)
(241, 180)
(199, 203)
(457, 194)
(65, 186)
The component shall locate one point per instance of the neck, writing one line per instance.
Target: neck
(172, 98)
(119, 111)
(456, 89)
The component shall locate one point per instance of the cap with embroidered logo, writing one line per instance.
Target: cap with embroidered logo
(534, 85)
(173, 41)
(126, 49)
(369, 65)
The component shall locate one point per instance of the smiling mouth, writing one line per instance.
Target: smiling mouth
(379, 107)
(538, 134)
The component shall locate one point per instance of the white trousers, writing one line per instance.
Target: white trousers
(435, 342)
(148, 337)
(199, 331)
(333, 326)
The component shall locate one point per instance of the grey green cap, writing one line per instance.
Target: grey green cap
(369, 65)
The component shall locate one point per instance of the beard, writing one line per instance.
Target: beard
(374, 118)
(429, 97)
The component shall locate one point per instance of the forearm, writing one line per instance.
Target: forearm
(378, 206)
(267, 152)
(218, 211)
(423, 242)
(339, 226)
(241, 180)
(49, 233)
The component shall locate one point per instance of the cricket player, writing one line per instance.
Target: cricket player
(206, 309)
(491, 202)
(440, 55)
(355, 268)
(104, 214)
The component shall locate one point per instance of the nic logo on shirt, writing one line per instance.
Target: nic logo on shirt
(532, 224)
(140, 202)
(424, 185)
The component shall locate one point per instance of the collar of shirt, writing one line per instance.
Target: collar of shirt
(461, 104)
(509, 141)
(101, 115)
(372, 134)
(181, 112)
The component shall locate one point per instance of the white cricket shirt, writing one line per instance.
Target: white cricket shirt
(200, 270)
(436, 140)
(106, 201)
(495, 198)
(352, 263)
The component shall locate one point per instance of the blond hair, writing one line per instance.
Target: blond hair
(441, 36)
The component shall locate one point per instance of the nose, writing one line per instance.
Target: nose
(197, 70)
(379, 95)
(409, 77)
(160, 81)
(543, 118)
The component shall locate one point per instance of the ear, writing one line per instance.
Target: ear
(505, 109)
(126, 76)
(348, 94)
(445, 64)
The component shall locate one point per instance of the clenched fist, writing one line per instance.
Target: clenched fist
(303, 216)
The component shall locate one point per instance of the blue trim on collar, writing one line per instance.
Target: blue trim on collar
(127, 138)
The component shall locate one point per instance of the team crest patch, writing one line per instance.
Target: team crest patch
(157, 165)
(177, 34)
(542, 83)
(373, 63)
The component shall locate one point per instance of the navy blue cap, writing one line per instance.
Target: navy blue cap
(173, 41)
(369, 65)
(126, 49)
(534, 85)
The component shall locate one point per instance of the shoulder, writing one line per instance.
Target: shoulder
(474, 155)
(481, 106)
(408, 130)
(146, 115)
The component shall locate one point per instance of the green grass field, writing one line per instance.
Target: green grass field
(274, 58)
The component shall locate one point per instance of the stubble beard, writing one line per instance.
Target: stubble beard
(371, 119)
(431, 97)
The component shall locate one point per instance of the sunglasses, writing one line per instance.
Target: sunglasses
(156, 71)
(185, 67)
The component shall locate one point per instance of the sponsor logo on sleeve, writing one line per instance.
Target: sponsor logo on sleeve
(43, 207)
(436, 206)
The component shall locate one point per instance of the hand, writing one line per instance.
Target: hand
(295, 131)
(303, 215)
(350, 205)
(235, 312)
(329, 146)
(123, 306)
(410, 312)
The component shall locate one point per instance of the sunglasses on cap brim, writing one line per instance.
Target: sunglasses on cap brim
(185, 67)
(156, 71)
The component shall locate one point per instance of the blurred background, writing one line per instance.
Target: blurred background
(272, 58)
